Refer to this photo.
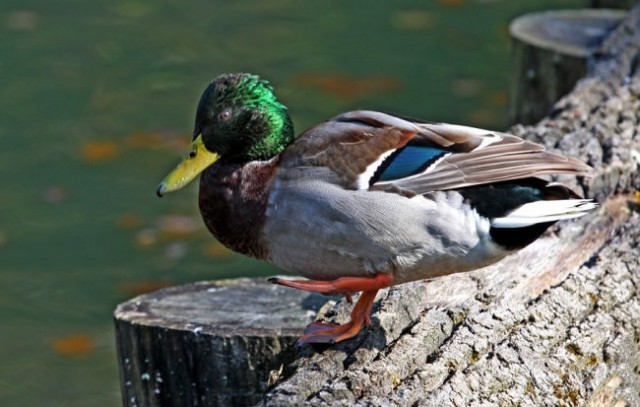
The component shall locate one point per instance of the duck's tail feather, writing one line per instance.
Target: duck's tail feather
(543, 212)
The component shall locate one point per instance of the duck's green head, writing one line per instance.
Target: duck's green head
(239, 119)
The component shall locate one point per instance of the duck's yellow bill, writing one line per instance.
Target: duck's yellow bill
(196, 161)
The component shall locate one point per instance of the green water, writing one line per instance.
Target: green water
(97, 99)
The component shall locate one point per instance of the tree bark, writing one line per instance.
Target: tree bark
(556, 324)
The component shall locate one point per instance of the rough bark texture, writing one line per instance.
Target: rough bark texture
(549, 55)
(210, 343)
(557, 324)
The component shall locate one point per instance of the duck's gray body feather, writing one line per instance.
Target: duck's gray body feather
(361, 233)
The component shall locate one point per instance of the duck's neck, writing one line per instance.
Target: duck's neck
(233, 200)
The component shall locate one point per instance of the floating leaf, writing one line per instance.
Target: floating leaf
(133, 288)
(141, 139)
(54, 194)
(497, 98)
(170, 140)
(348, 87)
(73, 345)
(483, 117)
(128, 221)
(23, 20)
(466, 87)
(178, 226)
(100, 151)
(176, 250)
(412, 20)
(3, 239)
(216, 250)
(146, 238)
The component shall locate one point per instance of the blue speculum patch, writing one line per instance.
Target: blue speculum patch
(408, 161)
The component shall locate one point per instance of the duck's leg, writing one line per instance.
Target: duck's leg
(342, 285)
(319, 332)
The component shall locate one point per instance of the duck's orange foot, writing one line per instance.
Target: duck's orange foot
(320, 332)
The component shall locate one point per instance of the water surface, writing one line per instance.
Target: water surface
(97, 105)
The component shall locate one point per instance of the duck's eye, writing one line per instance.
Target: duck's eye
(225, 114)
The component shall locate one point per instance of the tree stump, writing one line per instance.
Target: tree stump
(210, 343)
(556, 324)
(549, 55)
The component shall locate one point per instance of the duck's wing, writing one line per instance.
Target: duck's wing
(369, 149)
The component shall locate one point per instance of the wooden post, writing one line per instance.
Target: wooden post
(549, 55)
(209, 344)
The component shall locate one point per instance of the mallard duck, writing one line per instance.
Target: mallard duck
(365, 200)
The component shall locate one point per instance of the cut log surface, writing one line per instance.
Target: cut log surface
(557, 324)
(550, 51)
(571, 32)
(209, 343)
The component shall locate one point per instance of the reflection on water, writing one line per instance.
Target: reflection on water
(97, 104)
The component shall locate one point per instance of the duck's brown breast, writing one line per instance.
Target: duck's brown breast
(233, 201)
